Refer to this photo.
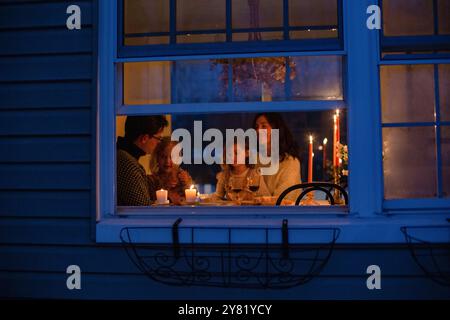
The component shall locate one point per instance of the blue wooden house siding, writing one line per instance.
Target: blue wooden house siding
(48, 90)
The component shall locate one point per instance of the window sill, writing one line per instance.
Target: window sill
(227, 211)
(354, 229)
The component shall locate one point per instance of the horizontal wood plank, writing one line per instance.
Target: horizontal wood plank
(45, 149)
(46, 68)
(114, 259)
(45, 42)
(43, 204)
(46, 95)
(45, 122)
(45, 231)
(119, 286)
(14, 15)
(45, 176)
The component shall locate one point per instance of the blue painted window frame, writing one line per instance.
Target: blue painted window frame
(229, 47)
(417, 43)
(366, 221)
(173, 54)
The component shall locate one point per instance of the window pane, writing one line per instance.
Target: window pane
(201, 38)
(445, 158)
(314, 34)
(251, 79)
(141, 16)
(200, 81)
(146, 83)
(142, 41)
(313, 13)
(260, 79)
(409, 162)
(444, 16)
(265, 36)
(405, 54)
(408, 17)
(444, 91)
(257, 14)
(407, 93)
(200, 15)
(205, 21)
(317, 78)
(206, 176)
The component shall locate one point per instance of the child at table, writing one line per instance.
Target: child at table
(239, 176)
(166, 175)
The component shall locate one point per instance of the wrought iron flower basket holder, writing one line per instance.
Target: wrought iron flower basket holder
(432, 258)
(274, 264)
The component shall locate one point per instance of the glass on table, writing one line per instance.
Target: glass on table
(253, 181)
(236, 185)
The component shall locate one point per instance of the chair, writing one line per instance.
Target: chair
(325, 187)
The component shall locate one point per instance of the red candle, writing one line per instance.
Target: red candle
(336, 138)
(310, 160)
(338, 127)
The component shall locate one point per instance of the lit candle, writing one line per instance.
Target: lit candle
(338, 127)
(191, 194)
(336, 138)
(310, 160)
(161, 196)
(324, 150)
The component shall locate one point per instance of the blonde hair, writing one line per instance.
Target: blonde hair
(165, 142)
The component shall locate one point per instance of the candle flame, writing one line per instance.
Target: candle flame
(337, 112)
(325, 141)
(310, 139)
(192, 187)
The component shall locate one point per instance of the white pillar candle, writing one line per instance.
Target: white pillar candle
(161, 196)
(191, 194)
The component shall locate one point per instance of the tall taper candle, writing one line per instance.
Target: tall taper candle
(324, 150)
(334, 140)
(338, 135)
(310, 160)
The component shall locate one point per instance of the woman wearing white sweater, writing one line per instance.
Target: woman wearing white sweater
(288, 173)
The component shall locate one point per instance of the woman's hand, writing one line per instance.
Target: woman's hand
(184, 177)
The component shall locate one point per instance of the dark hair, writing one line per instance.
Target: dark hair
(136, 126)
(288, 146)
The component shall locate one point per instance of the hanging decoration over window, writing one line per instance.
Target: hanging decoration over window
(266, 71)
